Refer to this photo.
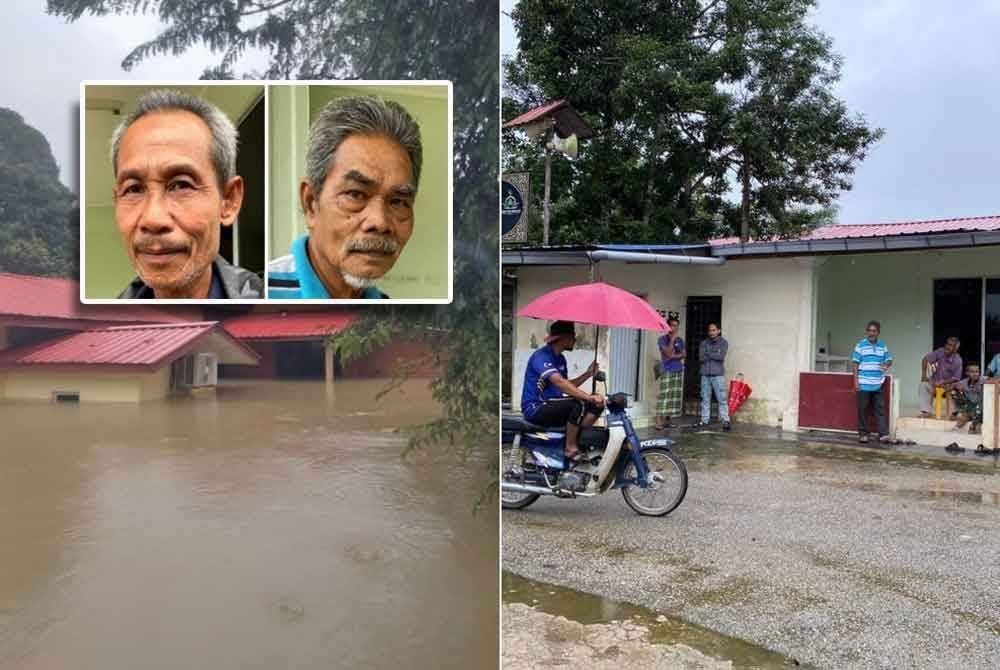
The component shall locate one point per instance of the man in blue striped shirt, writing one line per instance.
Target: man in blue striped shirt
(872, 360)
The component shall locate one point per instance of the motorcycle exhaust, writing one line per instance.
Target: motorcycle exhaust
(542, 490)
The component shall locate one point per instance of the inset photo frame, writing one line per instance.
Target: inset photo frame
(203, 192)
(360, 191)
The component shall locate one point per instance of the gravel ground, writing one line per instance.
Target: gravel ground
(534, 640)
(836, 556)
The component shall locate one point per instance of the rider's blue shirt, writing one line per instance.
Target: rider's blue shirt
(537, 388)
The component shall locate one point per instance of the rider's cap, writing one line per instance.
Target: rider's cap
(559, 329)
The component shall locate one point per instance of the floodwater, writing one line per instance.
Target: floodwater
(267, 525)
(588, 609)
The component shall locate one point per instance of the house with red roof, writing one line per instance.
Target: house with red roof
(52, 347)
(792, 311)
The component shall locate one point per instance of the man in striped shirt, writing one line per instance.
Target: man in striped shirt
(872, 360)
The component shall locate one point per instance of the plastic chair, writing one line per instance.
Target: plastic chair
(941, 395)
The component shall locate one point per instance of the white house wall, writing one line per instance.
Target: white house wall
(896, 289)
(767, 317)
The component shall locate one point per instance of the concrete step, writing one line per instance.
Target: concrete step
(935, 432)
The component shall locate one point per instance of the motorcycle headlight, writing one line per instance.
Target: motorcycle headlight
(618, 402)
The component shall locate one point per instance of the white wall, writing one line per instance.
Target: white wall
(767, 317)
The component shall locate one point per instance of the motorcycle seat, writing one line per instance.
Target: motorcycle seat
(516, 423)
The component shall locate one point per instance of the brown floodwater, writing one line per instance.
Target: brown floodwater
(267, 525)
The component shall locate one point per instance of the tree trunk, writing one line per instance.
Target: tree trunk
(745, 205)
(647, 195)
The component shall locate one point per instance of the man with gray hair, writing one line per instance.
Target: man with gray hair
(362, 169)
(174, 162)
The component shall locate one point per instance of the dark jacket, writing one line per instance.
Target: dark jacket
(712, 356)
(236, 282)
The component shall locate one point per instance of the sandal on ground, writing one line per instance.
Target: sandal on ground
(863, 439)
(982, 451)
(954, 448)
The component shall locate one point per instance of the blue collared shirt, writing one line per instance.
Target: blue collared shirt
(293, 277)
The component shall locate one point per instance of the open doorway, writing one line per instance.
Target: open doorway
(958, 311)
(700, 311)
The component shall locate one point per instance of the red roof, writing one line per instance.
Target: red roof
(288, 325)
(146, 346)
(47, 297)
(840, 232)
(535, 114)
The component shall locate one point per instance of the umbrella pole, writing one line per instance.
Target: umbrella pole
(593, 379)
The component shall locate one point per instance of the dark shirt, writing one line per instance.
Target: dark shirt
(228, 281)
(712, 356)
(215, 291)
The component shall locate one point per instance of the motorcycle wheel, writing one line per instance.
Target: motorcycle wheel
(668, 489)
(511, 457)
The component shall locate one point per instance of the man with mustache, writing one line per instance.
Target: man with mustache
(174, 161)
(363, 166)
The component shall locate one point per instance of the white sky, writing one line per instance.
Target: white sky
(45, 59)
(925, 72)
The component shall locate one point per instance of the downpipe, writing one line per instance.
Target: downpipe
(543, 490)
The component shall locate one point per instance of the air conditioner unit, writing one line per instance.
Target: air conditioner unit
(206, 370)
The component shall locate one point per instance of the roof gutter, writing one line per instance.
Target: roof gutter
(636, 257)
(861, 244)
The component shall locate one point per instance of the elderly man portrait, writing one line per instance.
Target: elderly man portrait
(174, 162)
(363, 162)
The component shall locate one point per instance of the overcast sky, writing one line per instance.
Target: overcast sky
(45, 59)
(927, 72)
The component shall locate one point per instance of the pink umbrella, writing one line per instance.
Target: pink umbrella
(597, 303)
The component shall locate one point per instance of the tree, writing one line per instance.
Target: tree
(37, 232)
(708, 114)
(380, 39)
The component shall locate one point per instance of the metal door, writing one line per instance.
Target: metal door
(624, 372)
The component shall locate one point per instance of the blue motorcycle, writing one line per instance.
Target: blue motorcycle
(652, 478)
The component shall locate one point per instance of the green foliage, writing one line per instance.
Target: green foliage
(38, 216)
(687, 98)
(381, 39)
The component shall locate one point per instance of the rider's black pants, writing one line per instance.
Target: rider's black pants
(561, 411)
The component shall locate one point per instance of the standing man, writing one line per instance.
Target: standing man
(712, 357)
(672, 353)
(871, 360)
(550, 398)
(174, 162)
(362, 170)
(945, 367)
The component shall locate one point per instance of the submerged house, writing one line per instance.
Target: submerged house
(792, 311)
(52, 347)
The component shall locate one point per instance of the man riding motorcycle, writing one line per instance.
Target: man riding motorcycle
(549, 398)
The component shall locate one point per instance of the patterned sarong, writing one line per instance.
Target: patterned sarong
(668, 401)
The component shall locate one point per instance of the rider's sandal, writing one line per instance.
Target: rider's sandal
(575, 457)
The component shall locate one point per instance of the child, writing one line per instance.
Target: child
(968, 396)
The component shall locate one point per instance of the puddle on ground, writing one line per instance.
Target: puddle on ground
(587, 609)
(758, 453)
